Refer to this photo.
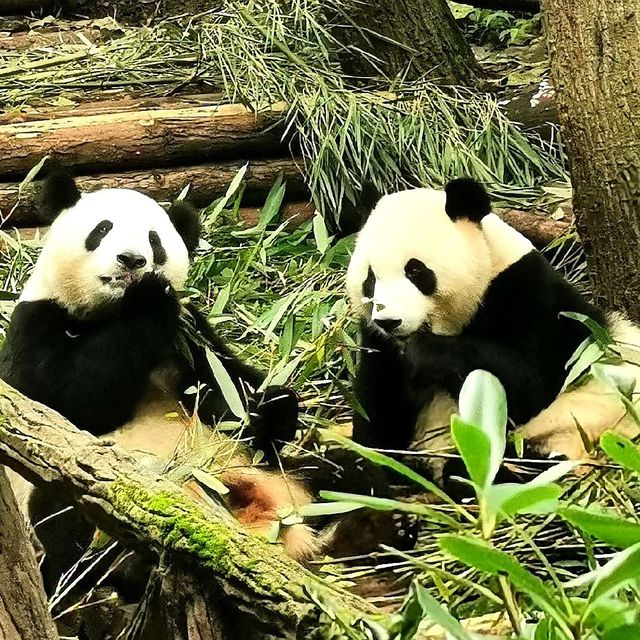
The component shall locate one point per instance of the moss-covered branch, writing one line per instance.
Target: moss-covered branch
(136, 506)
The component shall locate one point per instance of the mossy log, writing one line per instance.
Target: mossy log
(207, 182)
(142, 139)
(138, 507)
(23, 604)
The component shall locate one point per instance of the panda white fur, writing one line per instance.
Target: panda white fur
(443, 287)
(94, 337)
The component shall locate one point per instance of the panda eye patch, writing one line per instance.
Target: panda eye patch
(97, 234)
(159, 253)
(369, 285)
(423, 278)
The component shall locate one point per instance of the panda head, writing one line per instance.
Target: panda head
(100, 242)
(425, 258)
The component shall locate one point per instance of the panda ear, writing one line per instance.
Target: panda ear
(467, 200)
(186, 220)
(58, 192)
(353, 216)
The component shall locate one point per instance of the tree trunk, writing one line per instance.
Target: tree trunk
(208, 182)
(410, 38)
(594, 47)
(141, 139)
(136, 506)
(23, 604)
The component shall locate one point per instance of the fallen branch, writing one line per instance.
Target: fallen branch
(208, 181)
(141, 139)
(23, 604)
(138, 507)
(296, 212)
(540, 229)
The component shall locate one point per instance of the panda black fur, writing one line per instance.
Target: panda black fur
(443, 287)
(94, 337)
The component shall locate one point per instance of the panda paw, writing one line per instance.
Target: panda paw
(152, 297)
(274, 418)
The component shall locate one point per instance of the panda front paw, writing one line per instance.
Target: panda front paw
(154, 299)
(426, 353)
(274, 418)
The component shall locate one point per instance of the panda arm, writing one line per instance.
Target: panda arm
(448, 360)
(273, 412)
(382, 389)
(92, 373)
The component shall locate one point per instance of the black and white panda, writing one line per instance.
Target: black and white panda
(94, 336)
(443, 286)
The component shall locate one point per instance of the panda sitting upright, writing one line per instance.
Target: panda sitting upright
(444, 287)
(95, 336)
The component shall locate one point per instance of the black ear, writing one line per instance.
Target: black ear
(467, 199)
(353, 216)
(186, 220)
(58, 192)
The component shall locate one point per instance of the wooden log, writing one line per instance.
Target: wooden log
(208, 181)
(296, 212)
(23, 604)
(21, 7)
(540, 229)
(138, 507)
(108, 103)
(142, 139)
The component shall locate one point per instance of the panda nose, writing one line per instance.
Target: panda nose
(131, 260)
(388, 324)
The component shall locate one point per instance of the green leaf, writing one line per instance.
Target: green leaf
(272, 204)
(621, 450)
(592, 353)
(420, 605)
(617, 573)
(216, 210)
(482, 556)
(625, 632)
(210, 481)
(228, 389)
(387, 504)
(603, 525)
(320, 233)
(616, 377)
(483, 404)
(510, 499)
(600, 333)
(327, 508)
(474, 448)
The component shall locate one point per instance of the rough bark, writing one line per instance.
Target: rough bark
(136, 506)
(208, 181)
(141, 139)
(594, 48)
(412, 38)
(23, 604)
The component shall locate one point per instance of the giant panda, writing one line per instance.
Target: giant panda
(442, 287)
(96, 336)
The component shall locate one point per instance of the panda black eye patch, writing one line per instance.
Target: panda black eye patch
(159, 254)
(369, 284)
(423, 278)
(97, 234)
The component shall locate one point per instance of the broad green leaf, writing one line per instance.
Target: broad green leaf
(320, 233)
(210, 481)
(421, 605)
(616, 377)
(621, 450)
(474, 447)
(482, 556)
(622, 569)
(483, 403)
(600, 333)
(602, 525)
(228, 389)
(511, 498)
(386, 461)
(625, 632)
(387, 504)
(592, 353)
(327, 508)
